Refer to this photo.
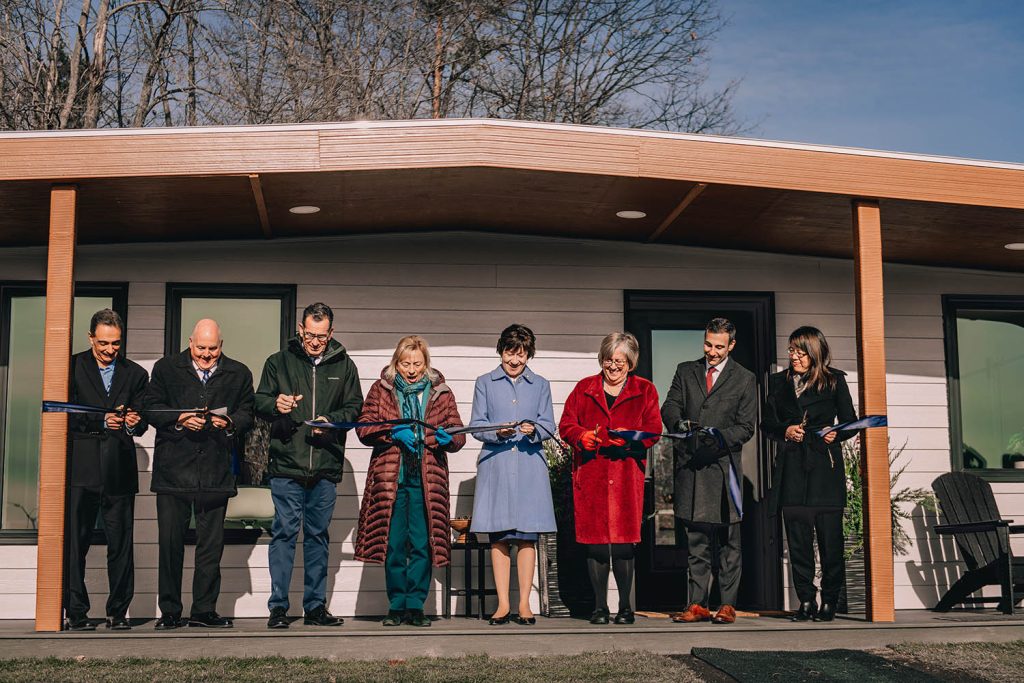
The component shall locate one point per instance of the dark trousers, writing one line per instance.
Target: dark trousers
(407, 568)
(802, 524)
(701, 540)
(173, 513)
(118, 515)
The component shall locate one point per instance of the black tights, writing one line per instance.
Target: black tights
(621, 557)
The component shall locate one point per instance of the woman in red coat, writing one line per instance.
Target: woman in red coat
(607, 471)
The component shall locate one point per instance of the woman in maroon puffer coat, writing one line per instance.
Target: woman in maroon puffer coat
(607, 471)
(403, 520)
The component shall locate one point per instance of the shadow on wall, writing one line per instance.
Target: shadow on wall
(939, 565)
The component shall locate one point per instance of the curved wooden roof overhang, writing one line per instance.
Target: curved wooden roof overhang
(520, 177)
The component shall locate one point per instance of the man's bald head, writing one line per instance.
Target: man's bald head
(205, 344)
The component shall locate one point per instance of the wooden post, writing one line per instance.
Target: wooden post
(874, 443)
(60, 298)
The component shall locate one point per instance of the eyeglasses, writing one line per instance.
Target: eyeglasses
(309, 336)
(406, 365)
(614, 363)
(796, 353)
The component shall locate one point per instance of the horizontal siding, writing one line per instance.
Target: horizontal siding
(458, 293)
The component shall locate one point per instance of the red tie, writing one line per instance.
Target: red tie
(710, 380)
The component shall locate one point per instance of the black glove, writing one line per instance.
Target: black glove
(706, 450)
(684, 426)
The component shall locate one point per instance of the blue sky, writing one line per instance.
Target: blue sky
(937, 77)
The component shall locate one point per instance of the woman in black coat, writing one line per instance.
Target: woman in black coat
(809, 481)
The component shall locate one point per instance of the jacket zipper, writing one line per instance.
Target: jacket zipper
(314, 416)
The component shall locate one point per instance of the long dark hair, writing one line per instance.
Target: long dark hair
(810, 340)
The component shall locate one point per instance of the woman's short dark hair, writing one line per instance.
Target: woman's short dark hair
(515, 337)
(105, 316)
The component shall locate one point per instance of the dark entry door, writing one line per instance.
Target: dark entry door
(670, 329)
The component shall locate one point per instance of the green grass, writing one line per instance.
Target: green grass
(977, 661)
(593, 667)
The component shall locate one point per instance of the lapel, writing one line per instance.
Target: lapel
(723, 376)
(92, 371)
(596, 392)
(700, 376)
(117, 383)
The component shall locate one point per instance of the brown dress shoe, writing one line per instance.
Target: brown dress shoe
(693, 613)
(725, 615)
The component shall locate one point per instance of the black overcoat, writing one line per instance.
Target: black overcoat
(100, 458)
(187, 462)
(810, 473)
(701, 476)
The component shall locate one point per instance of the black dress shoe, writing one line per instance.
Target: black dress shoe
(826, 613)
(169, 622)
(500, 621)
(808, 610)
(625, 616)
(319, 616)
(524, 621)
(278, 618)
(78, 622)
(118, 624)
(600, 616)
(209, 620)
(418, 618)
(394, 618)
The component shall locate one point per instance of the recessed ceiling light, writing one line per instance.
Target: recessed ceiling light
(631, 214)
(304, 209)
(1015, 246)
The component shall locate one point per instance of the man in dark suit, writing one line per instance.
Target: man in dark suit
(708, 500)
(102, 474)
(192, 469)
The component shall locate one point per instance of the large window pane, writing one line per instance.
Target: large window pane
(668, 349)
(990, 353)
(23, 393)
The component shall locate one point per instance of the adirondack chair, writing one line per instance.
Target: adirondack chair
(970, 515)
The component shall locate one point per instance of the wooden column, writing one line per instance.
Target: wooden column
(60, 297)
(874, 443)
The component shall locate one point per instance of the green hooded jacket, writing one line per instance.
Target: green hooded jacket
(329, 389)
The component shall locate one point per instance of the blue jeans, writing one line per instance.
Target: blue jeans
(312, 509)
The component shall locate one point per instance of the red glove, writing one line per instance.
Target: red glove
(614, 440)
(589, 441)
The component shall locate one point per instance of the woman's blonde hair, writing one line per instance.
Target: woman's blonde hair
(811, 341)
(413, 342)
(624, 340)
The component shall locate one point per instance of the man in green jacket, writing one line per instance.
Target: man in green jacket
(313, 379)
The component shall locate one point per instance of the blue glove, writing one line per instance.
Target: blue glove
(405, 435)
(443, 437)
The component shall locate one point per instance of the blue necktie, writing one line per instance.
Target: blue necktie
(206, 376)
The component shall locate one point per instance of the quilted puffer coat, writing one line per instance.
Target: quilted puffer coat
(382, 474)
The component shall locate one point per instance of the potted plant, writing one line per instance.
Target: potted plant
(853, 596)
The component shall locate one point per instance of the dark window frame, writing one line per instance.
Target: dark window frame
(176, 291)
(951, 305)
(117, 291)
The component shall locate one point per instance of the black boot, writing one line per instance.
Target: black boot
(827, 612)
(808, 611)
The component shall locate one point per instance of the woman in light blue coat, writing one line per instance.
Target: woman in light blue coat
(512, 503)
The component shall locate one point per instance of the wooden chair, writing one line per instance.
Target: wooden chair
(970, 515)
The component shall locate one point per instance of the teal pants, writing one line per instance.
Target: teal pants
(407, 569)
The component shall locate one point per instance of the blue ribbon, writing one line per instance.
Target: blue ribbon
(63, 407)
(478, 429)
(636, 435)
(866, 422)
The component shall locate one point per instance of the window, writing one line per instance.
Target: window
(22, 313)
(985, 371)
(255, 321)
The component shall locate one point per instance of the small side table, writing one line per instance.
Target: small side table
(469, 591)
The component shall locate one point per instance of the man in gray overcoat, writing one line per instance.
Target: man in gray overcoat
(718, 393)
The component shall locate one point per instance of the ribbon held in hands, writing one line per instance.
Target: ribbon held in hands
(866, 422)
(64, 407)
(636, 435)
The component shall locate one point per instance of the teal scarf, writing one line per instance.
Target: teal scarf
(414, 407)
